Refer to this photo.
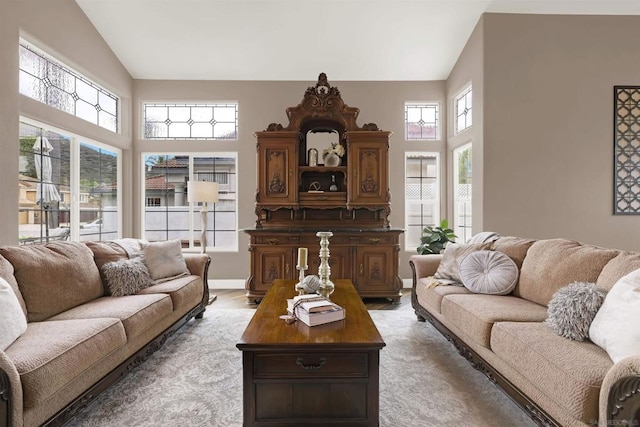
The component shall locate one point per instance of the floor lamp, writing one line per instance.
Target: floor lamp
(203, 192)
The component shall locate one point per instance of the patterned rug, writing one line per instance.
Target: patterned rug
(195, 380)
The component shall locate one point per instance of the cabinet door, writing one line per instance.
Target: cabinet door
(277, 176)
(368, 169)
(375, 270)
(270, 263)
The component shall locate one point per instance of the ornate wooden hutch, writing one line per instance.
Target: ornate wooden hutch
(296, 199)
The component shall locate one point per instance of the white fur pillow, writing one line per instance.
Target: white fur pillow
(489, 272)
(12, 318)
(615, 327)
(126, 277)
(165, 260)
(572, 309)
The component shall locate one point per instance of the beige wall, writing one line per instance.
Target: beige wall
(548, 125)
(263, 102)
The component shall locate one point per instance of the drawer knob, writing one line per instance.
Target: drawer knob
(374, 241)
(273, 241)
(311, 366)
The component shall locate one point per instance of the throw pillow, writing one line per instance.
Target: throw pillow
(616, 328)
(126, 277)
(448, 271)
(573, 308)
(12, 318)
(165, 260)
(489, 272)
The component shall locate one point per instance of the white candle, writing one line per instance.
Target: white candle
(302, 258)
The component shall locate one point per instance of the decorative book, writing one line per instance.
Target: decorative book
(313, 310)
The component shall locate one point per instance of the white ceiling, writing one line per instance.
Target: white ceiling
(297, 39)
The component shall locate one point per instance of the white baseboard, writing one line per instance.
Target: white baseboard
(239, 283)
(226, 283)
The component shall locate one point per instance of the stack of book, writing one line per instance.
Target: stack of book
(314, 310)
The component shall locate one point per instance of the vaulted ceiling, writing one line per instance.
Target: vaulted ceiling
(295, 39)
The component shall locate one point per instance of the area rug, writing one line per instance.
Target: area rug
(195, 380)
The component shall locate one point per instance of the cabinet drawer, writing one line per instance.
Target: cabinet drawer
(306, 365)
(272, 240)
(377, 239)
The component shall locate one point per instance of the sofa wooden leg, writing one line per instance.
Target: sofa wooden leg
(420, 317)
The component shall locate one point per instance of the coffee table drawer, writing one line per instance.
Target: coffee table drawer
(306, 365)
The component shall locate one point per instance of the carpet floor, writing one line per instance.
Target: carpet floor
(195, 380)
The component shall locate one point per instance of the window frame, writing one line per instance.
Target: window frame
(168, 104)
(75, 140)
(438, 119)
(456, 152)
(192, 208)
(437, 201)
(468, 89)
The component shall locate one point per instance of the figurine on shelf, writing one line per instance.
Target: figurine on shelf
(332, 156)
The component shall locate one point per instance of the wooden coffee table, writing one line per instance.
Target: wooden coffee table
(326, 375)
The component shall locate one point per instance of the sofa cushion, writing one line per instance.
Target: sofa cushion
(615, 327)
(164, 260)
(567, 372)
(126, 276)
(50, 354)
(136, 312)
(514, 247)
(431, 297)
(6, 272)
(449, 268)
(572, 309)
(12, 319)
(552, 264)
(476, 314)
(54, 277)
(489, 272)
(617, 268)
(106, 252)
(185, 292)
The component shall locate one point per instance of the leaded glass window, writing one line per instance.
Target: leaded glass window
(421, 121)
(50, 82)
(463, 110)
(191, 121)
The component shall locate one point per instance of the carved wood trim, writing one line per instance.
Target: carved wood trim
(624, 401)
(322, 102)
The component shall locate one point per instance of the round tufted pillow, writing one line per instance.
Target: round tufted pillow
(489, 272)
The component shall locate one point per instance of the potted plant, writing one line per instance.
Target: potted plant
(434, 239)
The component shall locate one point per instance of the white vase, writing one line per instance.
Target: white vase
(332, 159)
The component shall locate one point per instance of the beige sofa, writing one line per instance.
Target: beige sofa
(557, 381)
(78, 339)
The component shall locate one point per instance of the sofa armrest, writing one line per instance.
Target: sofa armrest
(424, 266)
(198, 264)
(620, 394)
(10, 393)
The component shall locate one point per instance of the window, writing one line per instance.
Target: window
(462, 192)
(50, 82)
(52, 205)
(191, 121)
(463, 110)
(422, 200)
(168, 214)
(421, 121)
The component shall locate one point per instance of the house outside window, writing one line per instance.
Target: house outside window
(463, 110)
(422, 121)
(53, 205)
(51, 82)
(190, 121)
(168, 214)
(422, 195)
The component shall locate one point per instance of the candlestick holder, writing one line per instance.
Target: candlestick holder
(300, 286)
(324, 270)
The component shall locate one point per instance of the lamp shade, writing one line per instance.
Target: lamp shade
(202, 191)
